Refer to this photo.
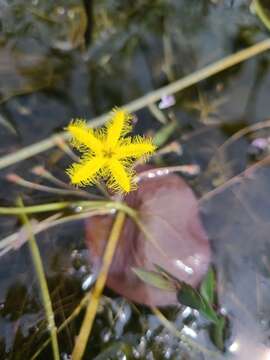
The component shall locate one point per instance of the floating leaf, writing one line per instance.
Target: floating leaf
(171, 237)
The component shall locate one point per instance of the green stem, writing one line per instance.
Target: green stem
(34, 209)
(261, 13)
(91, 310)
(36, 258)
(85, 205)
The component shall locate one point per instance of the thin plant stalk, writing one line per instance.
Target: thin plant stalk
(43, 173)
(243, 132)
(17, 239)
(145, 100)
(81, 205)
(85, 300)
(92, 308)
(261, 12)
(16, 179)
(34, 208)
(36, 258)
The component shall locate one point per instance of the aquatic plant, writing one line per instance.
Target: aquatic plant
(107, 152)
(229, 262)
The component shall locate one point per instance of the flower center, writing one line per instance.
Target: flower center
(108, 153)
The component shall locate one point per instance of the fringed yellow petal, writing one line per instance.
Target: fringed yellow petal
(86, 171)
(83, 136)
(121, 177)
(135, 148)
(118, 126)
(107, 153)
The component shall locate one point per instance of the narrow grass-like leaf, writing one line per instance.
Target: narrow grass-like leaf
(218, 333)
(192, 298)
(207, 288)
(167, 275)
(154, 278)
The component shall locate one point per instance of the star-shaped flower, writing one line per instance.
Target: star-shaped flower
(107, 153)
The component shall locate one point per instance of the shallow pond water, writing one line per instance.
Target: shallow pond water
(65, 59)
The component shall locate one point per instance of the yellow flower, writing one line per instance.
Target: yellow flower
(107, 153)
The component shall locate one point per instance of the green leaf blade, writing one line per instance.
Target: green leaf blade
(207, 288)
(153, 278)
(190, 297)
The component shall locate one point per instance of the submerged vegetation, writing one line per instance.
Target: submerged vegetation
(134, 266)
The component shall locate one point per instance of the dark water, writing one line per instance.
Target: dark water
(60, 60)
